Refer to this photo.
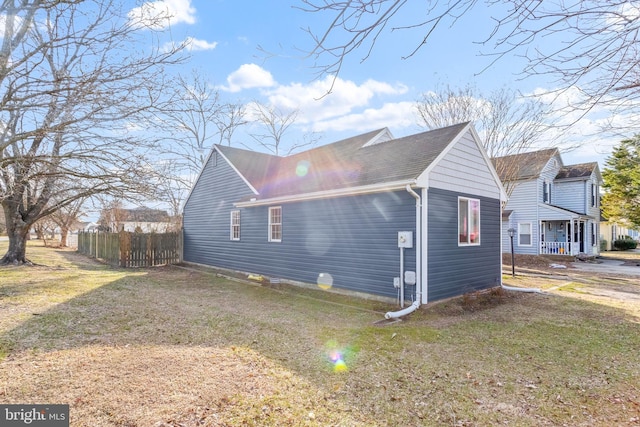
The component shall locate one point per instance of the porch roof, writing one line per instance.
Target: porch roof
(551, 213)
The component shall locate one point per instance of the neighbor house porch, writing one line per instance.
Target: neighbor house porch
(562, 237)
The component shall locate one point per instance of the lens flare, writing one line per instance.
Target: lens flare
(325, 281)
(338, 355)
(302, 169)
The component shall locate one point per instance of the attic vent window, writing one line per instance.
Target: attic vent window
(384, 136)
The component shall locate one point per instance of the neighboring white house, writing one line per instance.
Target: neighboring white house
(142, 220)
(552, 208)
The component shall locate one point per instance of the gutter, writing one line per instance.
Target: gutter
(349, 191)
(416, 304)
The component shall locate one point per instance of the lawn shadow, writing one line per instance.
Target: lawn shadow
(146, 323)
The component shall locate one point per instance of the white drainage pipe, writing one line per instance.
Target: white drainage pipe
(397, 314)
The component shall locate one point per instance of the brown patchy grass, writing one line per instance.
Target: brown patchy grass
(170, 347)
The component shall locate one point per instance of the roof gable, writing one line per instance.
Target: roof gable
(348, 163)
(524, 165)
(581, 171)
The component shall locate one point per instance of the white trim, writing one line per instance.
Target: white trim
(246, 181)
(349, 191)
(468, 216)
(383, 136)
(569, 214)
(425, 245)
(270, 237)
(231, 237)
(424, 176)
(206, 162)
(530, 233)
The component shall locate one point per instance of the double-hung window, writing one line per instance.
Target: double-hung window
(524, 234)
(275, 224)
(235, 225)
(468, 221)
(594, 195)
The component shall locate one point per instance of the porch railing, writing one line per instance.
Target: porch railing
(555, 248)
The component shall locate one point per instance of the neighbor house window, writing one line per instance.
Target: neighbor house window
(594, 195)
(524, 234)
(594, 231)
(468, 221)
(546, 192)
(235, 225)
(275, 224)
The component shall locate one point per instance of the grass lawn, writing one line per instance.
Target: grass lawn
(180, 347)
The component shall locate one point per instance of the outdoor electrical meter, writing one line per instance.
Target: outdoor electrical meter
(405, 239)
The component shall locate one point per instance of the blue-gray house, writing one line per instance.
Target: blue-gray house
(417, 216)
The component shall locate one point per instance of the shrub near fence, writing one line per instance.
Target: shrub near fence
(126, 249)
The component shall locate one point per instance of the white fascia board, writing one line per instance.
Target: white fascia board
(384, 135)
(246, 181)
(341, 192)
(423, 179)
(571, 215)
(204, 165)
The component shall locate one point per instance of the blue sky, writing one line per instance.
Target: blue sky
(226, 36)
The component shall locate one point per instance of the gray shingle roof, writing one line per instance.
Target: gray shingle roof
(523, 165)
(582, 170)
(342, 164)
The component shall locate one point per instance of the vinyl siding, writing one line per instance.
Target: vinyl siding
(524, 203)
(354, 239)
(463, 169)
(453, 270)
(207, 212)
(571, 195)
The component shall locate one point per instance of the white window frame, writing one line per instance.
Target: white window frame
(530, 224)
(273, 224)
(546, 192)
(234, 227)
(469, 221)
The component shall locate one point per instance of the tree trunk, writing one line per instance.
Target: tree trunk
(16, 254)
(18, 232)
(64, 232)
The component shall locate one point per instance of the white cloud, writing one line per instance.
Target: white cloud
(163, 13)
(248, 76)
(191, 44)
(316, 104)
(593, 133)
(392, 115)
(626, 13)
(197, 44)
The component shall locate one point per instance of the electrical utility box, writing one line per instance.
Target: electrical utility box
(405, 239)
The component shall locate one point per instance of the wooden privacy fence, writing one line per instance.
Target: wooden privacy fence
(126, 249)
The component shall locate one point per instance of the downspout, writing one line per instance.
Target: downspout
(413, 307)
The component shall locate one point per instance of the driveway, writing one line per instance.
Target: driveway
(608, 266)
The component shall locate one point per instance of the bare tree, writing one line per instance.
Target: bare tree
(596, 52)
(73, 83)
(507, 124)
(274, 124)
(112, 215)
(193, 120)
(67, 217)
